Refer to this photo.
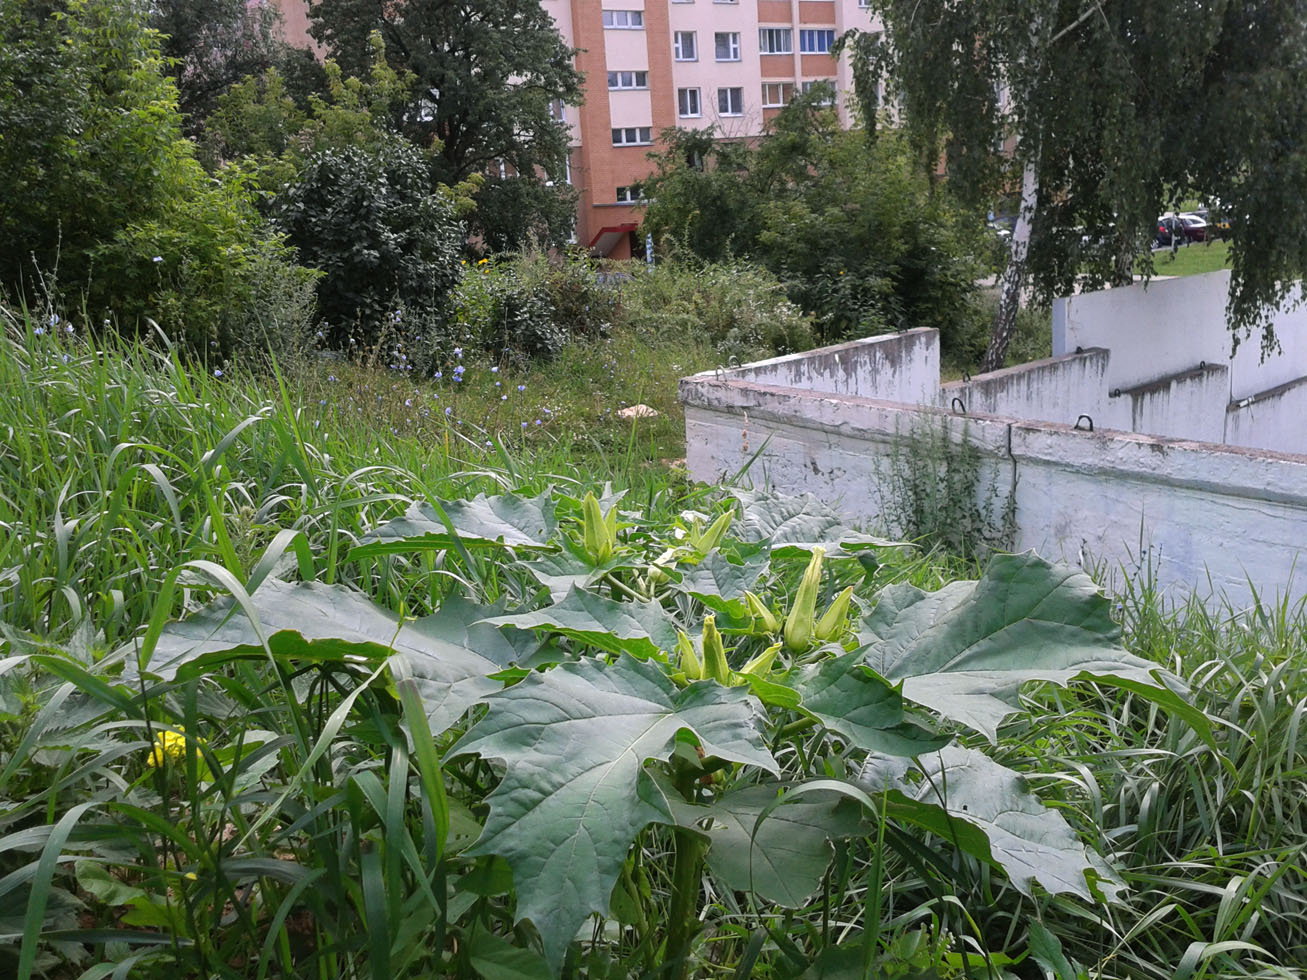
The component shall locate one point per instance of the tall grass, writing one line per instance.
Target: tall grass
(120, 463)
(1210, 838)
(124, 473)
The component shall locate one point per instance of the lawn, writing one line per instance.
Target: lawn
(1191, 260)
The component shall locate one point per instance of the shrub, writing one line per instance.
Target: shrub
(857, 237)
(385, 237)
(497, 308)
(103, 187)
(740, 307)
(527, 306)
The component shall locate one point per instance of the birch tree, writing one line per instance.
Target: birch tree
(1101, 114)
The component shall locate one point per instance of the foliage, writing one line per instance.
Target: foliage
(105, 197)
(386, 241)
(851, 231)
(299, 817)
(211, 44)
(943, 492)
(1187, 101)
(488, 80)
(519, 212)
(530, 305)
(261, 124)
(738, 306)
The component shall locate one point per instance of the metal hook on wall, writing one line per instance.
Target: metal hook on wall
(959, 406)
(1084, 418)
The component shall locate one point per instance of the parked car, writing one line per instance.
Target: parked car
(1218, 220)
(1179, 229)
(1195, 228)
(1167, 229)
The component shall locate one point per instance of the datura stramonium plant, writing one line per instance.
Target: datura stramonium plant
(800, 629)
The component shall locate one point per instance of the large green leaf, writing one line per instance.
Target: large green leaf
(575, 794)
(786, 858)
(561, 571)
(985, 809)
(849, 699)
(720, 584)
(791, 525)
(495, 958)
(638, 628)
(449, 655)
(966, 650)
(507, 520)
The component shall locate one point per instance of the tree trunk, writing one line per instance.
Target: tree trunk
(1014, 274)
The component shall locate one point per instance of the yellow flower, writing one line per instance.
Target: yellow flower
(167, 745)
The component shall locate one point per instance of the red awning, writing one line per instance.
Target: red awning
(608, 237)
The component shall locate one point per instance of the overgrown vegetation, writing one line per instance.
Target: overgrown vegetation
(855, 236)
(369, 782)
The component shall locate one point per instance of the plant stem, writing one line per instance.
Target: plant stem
(682, 915)
(683, 919)
(794, 727)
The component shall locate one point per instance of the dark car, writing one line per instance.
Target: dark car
(1195, 228)
(1181, 229)
(1168, 229)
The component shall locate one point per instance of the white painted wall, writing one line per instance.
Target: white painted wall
(1276, 419)
(1196, 515)
(1168, 326)
(900, 367)
(1058, 389)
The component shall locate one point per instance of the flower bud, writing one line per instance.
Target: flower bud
(598, 532)
(831, 625)
(690, 664)
(799, 623)
(761, 664)
(760, 611)
(714, 652)
(712, 537)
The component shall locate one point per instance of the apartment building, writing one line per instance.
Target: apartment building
(650, 65)
(654, 64)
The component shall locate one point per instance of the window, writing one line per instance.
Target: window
(628, 79)
(816, 42)
(629, 20)
(687, 102)
(633, 136)
(728, 46)
(776, 93)
(683, 46)
(630, 195)
(825, 86)
(730, 101)
(775, 40)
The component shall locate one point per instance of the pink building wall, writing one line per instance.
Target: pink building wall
(599, 168)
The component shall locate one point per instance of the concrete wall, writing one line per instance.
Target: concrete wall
(900, 367)
(1275, 419)
(1058, 389)
(1168, 326)
(1197, 515)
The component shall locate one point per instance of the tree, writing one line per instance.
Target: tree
(103, 194)
(210, 44)
(488, 76)
(1101, 114)
(387, 242)
(854, 234)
